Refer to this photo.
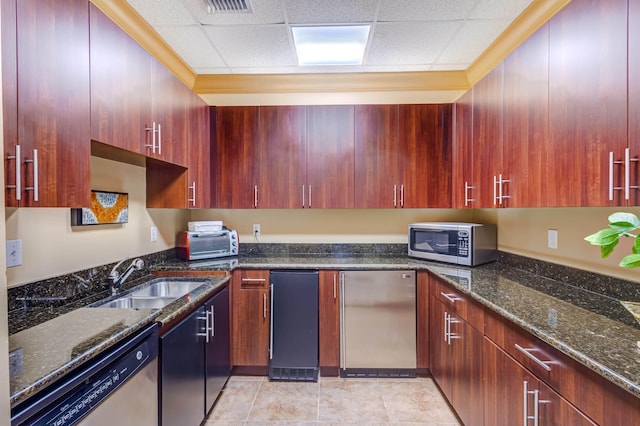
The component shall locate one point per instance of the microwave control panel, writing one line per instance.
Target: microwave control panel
(463, 243)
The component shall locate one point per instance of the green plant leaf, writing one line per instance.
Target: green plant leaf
(630, 261)
(635, 249)
(624, 220)
(603, 237)
(622, 227)
(606, 250)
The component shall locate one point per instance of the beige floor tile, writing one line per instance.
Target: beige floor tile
(236, 400)
(351, 401)
(210, 422)
(414, 402)
(285, 401)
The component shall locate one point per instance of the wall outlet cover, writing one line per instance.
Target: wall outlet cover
(256, 229)
(154, 234)
(552, 238)
(14, 253)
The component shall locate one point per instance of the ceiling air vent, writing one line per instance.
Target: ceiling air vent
(228, 6)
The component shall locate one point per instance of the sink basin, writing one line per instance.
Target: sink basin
(157, 295)
(167, 288)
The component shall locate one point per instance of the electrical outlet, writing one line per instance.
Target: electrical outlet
(14, 253)
(256, 229)
(552, 238)
(154, 234)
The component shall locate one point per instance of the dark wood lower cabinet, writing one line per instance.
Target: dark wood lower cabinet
(329, 323)
(514, 396)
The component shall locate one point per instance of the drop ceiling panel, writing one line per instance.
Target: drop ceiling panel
(330, 11)
(424, 10)
(193, 45)
(499, 9)
(410, 42)
(163, 12)
(246, 46)
(472, 39)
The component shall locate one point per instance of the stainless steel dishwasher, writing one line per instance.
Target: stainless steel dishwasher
(378, 324)
(119, 387)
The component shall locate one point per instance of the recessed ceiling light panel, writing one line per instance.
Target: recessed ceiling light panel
(331, 45)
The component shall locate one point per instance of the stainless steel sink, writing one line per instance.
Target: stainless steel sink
(157, 295)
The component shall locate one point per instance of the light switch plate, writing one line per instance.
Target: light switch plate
(14, 253)
(552, 238)
(154, 234)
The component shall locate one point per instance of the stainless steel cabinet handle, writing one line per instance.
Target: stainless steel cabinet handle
(495, 184)
(193, 187)
(527, 352)
(612, 186)
(402, 196)
(18, 185)
(206, 327)
(627, 173)
(450, 297)
(152, 129)
(264, 306)
(525, 405)
(309, 196)
(271, 325)
(342, 326)
(536, 400)
(502, 182)
(253, 280)
(159, 140)
(446, 326)
(34, 188)
(334, 287)
(395, 198)
(255, 196)
(467, 188)
(303, 196)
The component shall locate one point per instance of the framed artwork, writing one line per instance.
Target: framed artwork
(105, 208)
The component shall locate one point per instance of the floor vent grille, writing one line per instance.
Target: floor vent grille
(228, 6)
(293, 374)
(379, 372)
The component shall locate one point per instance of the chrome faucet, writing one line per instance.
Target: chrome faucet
(118, 279)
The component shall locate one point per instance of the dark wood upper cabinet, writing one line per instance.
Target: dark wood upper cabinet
(53, 132)
(487, 139)
(236, 156)
(587, 102)
(526, 122)
(281, 157)
(330, 156)
(201, 187)
(13, 194)
(633, 140)
(425, 149)
(463, 185)
(120, 87)
(377, 156)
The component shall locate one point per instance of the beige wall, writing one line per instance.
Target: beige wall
(51, 246)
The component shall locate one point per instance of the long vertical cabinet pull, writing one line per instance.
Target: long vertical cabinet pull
(152, 129)
(495, 190)
(206, 327)
(34, 188)
(273, 296)
(18, 185)
(612, 187)
(446, 326)
(395, 195)
(342, 336)
(402, 196)
(468, 188)
(255, 196)
(264, 306)
(498, 195)
(334, 287)
(501, 182)
(213, 321)
(627, 174)
(309, 196)
(159, 140)
(536, 403)
(193, 188)
(303, 206)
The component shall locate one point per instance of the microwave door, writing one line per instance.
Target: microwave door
(431, 241)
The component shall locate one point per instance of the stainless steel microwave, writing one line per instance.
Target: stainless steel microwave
(468, 244)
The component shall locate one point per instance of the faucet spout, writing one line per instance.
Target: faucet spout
(118, 279)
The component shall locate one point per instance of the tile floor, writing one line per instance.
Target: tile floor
(331, 401)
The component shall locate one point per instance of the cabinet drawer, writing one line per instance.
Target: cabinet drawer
(249, 278)
(591, 393)
(458, 302)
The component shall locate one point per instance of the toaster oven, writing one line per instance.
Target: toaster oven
(196, 245)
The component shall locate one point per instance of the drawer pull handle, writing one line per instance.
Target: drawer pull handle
(526, 352)
(253, 280)
(450, 297)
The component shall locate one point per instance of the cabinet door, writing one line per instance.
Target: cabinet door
(439, 349)
(53, 102)
(330, 156)
(201, 187)
(236, 156)
(218, 349)
(425, 156)
(376, 162)
(464, 187)
(329, 324)
(422, 320)
(487, 138)
(120, 86)
(634, 100)
(182, 372)
(526, 122)
(587, 102)
(170, 113)
(250, 318)
(281, 157)
(9, 52)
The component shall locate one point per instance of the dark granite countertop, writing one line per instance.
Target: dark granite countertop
(53, 348)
